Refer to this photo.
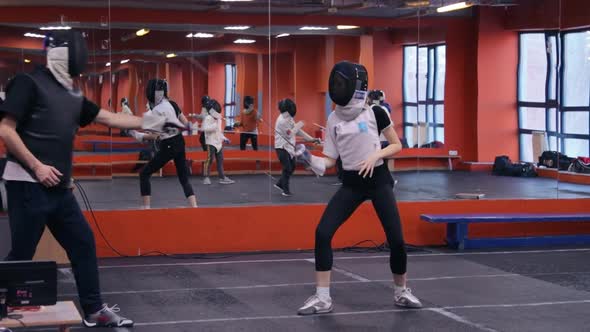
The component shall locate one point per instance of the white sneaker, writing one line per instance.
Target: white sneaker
(226, 180)
(207, 181)
(406, 299)
(315, 305)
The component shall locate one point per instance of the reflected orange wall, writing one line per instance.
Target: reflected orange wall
(497, 61)
(388, 61)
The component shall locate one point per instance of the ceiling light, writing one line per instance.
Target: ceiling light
(237, 27)
(418, 3)
(34, 35)
(27, 61)
(347, 27)
(124, 61)
(108, 64)
(244, 41)
(190, 35)
(235, 0)
(283, 35)
(455, 6)
(55, 28)
(142, 32)
(314, 28)
(171, 55)
(203, 35)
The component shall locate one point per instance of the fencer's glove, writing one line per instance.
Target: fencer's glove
(153, 122)
(313, 163)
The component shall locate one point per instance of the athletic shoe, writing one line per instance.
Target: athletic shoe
(315, 305)
(278, 186)
(226, 180)
(287, 193)
(107, 317)
(406, 299)
(207, 181)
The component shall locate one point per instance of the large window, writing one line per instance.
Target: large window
(230, 94)
(423, 95)
(545, 60)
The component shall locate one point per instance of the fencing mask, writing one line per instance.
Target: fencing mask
(156, 90)
(287, 105)
(77, 55)
(348, 89)
(248, 101)
(214, 109)
(205, 100)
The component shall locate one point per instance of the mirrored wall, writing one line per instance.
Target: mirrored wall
(462, 87)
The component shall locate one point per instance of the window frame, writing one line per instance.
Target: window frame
(560, 111)
(430, 100)
(231, 115)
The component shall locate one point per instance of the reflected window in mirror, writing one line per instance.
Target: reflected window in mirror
(423, 95)
(540, 124)
(230, 94)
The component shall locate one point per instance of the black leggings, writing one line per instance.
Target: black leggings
(244, 137)
(345, 202)
(31, 207)
(218, 155)
(288, 165)
(171, 148)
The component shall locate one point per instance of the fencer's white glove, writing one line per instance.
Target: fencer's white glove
(153, 122)
(313, 163)
(137, 135)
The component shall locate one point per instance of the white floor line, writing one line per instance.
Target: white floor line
(516, 305)
(357, 280)
(352, 313)
(461, 319)
(342, 258)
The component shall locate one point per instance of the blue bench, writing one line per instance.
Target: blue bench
(457, 232)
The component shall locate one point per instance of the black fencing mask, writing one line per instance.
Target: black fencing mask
(287, 105)
(76, 45)
(348, 89)
(248, 101)
(156, 90)
(205, 100)
(348, 82)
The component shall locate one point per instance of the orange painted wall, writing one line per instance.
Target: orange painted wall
(282, 86)
(497, 62)
(461, 88)
(388, 58)
(216, 81)
(308, 91)
(292, 227)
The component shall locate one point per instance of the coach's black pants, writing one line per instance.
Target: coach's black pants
(31, 207)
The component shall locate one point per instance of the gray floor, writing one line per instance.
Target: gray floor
(123, 193)
(529, 290)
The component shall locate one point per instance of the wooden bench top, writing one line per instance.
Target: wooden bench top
(504, 217)
(62, 314)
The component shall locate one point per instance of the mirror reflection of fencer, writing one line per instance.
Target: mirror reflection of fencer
(352, 135)
(171, 145)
